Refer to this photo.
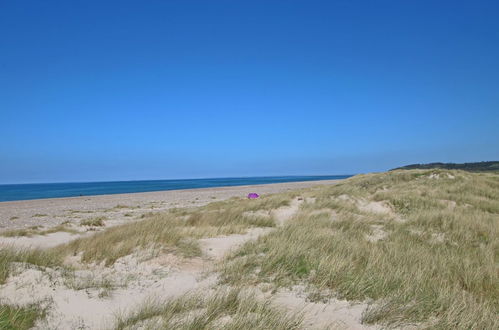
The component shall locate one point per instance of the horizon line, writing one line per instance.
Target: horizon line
(182, 179)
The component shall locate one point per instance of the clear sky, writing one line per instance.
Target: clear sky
(121, 90)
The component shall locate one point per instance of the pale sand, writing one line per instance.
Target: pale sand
(138, 277)
(142, 279)
(53, 211)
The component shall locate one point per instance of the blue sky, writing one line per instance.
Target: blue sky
(123, 90)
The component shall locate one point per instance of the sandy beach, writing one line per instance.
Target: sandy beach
(82, 301)
(54, 211)
(172, 259)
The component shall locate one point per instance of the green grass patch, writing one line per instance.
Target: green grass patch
(19, 318)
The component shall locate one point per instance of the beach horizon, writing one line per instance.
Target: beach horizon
(33, 191)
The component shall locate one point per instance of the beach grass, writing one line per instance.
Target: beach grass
(93, 222)
(175, 231)
(421, 246)
(36, 257)
(19, 318)
(38, 230)
(225, 308)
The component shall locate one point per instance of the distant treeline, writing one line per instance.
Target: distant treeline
(492, 166)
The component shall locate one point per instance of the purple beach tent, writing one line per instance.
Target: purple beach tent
(253, 195)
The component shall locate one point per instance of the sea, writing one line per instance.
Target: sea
(15, 192)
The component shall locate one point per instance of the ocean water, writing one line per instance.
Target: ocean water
(13, 192)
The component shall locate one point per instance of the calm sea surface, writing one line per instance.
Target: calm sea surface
(13, 192)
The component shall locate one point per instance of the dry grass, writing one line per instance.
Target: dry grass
(77, 282)
(93, 222)
(175, 231)
(79, 211)
(122, 207)
(436, 264)
(223, 309)
(37, 230)
(422, 246)
(29, 231)
(29, 256)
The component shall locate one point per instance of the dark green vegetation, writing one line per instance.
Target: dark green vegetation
(472, 167)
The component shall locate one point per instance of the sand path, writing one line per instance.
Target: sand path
(283, 214)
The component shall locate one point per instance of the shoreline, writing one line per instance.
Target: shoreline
(32, 191)
(49, 212)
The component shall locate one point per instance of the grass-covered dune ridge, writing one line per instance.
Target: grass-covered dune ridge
(422, 246)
